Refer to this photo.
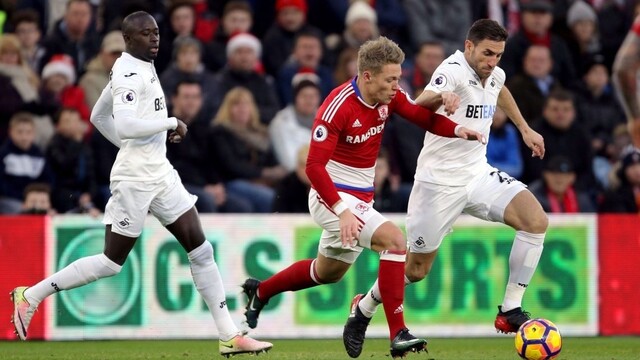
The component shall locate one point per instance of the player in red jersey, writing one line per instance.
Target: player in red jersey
(625, 79)
(346, 138)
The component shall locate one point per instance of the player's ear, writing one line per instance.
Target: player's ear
(468, 45)
(366, 75)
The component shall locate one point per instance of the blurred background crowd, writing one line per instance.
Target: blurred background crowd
(247, 76)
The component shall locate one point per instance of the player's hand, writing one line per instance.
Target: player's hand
(469, 134)
(348, 229)
(450, 101)
(179, 133)
(535, 142)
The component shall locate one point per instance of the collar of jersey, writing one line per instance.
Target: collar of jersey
(460, 55)
(129, 57)
(357, 91)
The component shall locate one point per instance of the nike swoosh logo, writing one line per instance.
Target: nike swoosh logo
(22, 325)
(228, 346)
(130, 74)
(251, 305)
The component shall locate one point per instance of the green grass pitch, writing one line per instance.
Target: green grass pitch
(616, 348)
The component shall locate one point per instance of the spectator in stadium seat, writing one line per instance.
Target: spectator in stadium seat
(292, 193)
(556, 192)
(531, 87)
(237, 18)
(503, 145)
(26, 25)
(584, 43)
(73, 36)
(445, 21)
(305, 59)
(98, 69)
(243, 54)
(563, 135)
(290, 129)
(430, 54)
(18, 83)
(71, 162)
(390, 194)
(187, 64)
(21, 163)
(598, 109)
(291, 20)
(346, 66)
(361, 24)
(536, 21)
(623, 196)
(241, 151)
(58, 90)
(181, 22)
(37, 200)
(190, 157)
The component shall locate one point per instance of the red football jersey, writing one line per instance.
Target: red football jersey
(346, 138)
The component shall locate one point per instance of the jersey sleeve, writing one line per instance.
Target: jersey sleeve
(324, 139)
(126, 89)
(421, 116)
(444, 78)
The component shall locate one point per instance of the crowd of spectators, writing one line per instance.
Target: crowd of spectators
(247, 77)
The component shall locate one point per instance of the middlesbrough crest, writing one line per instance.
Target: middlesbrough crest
(383, 111)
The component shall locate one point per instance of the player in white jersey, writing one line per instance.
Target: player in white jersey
(453, 176)
(142, 180)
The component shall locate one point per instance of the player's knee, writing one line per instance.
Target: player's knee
(417, 272)
(109, 267)
(396, 243)
(537, 223)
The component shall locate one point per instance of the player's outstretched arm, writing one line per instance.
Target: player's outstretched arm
(625, 71)
(534, 141)
(433, 100)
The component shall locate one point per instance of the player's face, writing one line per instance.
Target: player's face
(144, 41)
(382, 87)
(484, 56)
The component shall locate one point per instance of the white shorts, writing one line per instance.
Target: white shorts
(330, 244)
(433, 208)
(130, 202)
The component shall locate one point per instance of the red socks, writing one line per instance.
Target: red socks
(295, 277)
(391, 283)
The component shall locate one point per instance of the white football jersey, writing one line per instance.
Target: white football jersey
(135, 86)
(455, 161)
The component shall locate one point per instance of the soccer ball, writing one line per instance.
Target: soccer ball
(538, 339)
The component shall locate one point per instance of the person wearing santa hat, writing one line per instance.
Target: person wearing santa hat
(244, 69)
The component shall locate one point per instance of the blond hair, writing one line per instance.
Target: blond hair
(10, 43)
(234, 96)
(373, 55)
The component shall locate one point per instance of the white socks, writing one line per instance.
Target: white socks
(523, 260)
(372, 299)
(209, 284)
(78, 273)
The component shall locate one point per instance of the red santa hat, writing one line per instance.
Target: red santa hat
(244, 40)
(300, 4)
(60, 64)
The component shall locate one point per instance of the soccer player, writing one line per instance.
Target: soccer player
(625, 79)
(142, 179)
(346, 138)
(453, 176)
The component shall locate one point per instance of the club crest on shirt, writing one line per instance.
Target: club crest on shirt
(439, 81)
(383, 111)
(320, 133)
(129, 97)
(362, 208)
